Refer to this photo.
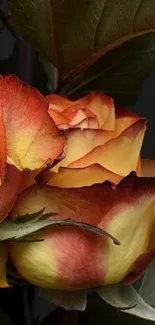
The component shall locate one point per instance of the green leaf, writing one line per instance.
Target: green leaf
(69, 300)
(100, 313)
(75, 34)
(12, 231)
(127, 300)
(32, 20)
(34, 216)
(147, 289)
(120, 73)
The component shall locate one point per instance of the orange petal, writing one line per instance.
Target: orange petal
(3, 266)
(124, 119)
(58, 103)
(78, 117)
(139, 167)
(80, 142)
(58, 117)
(9, 190)
(88, 123)
(3, 148)
(79, 177)
(102, 106)
(119, 155)
(148, 168)
(31, 135)
(125, 212)
(70, 112)
(70, 116)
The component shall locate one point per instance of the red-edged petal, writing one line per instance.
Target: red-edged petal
(3, 148)
(31, 135)
(125, 211)
(120, 155)
(148, 168)
(9, 190)
(124, 119)
(139, 266)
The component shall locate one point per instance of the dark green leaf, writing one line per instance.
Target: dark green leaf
(34, 216)
(74, 34)
(12, 231)
(147, 290)
(100, 313)
(127, 300)
(120, 73)
(32, 20)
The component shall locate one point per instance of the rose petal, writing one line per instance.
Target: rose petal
(31, 135)
(70, 116)
(88, 123)
(9, 190)
(78, 117)
(3, 149)
(58, 103)
(102, 106)
(64, 126)
(80, 142)
(148, 168)
(72, 110)
(124, 119)
(139, 167)
(79, 177)
(3, 266)
(139, 266)
(125, 212)
(119, 155)
(58, 117)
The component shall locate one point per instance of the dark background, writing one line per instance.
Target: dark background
(25, 306)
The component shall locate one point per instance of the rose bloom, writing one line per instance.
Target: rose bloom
(101, 181)
(29, 138)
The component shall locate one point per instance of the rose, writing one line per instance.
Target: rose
(29, 140)
(90, 156)
(28, 137)
(70, 258)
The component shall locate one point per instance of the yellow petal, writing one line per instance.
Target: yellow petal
(102, 106)
(3, 266)
(80, 142)
(126, 212)
(79, 177)
(31, 135)
(120, 155)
